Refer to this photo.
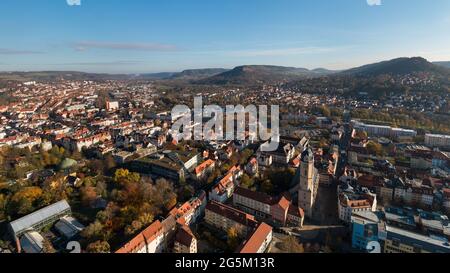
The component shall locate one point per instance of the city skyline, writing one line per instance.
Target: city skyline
(143, 37)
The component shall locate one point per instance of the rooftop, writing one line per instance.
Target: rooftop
(256, 239)
(38, 216)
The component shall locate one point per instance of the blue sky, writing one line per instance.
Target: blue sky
(136, 36)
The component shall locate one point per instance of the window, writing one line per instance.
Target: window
(396, 242)
(417, 249)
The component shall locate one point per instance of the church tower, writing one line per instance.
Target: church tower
(308, 179)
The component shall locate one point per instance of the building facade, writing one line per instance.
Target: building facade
(308, 178)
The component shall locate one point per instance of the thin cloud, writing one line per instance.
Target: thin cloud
(7, 51)
(103, 63)
(86, 45)
(374, 2)
(281, 52)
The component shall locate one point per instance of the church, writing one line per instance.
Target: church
(308, 178)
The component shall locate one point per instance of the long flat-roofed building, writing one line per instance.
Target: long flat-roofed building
(404, 241)
(433, 140)
(39, 219)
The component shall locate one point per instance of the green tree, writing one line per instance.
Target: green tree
(246, 181)
(124, 176)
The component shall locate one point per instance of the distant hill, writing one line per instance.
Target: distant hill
(444, 64)
(400, 66)
(198, 73)
(154, 76)
(50, 76)
(254, 74)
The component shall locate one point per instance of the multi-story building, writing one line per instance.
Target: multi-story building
(383, 131)
(112, 106)
(366, 229)
(279, 210)
(308, 178)
(258, 241)
(185, 241)
(433, 140)
(396, 231)
(224, 217)
(352, 200)
(204, 169)
(190, 212)
(280, 157)
(154, 239)
(224, 189)
(172, 165)
(403, 241)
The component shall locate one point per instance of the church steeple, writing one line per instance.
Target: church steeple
(308, 181)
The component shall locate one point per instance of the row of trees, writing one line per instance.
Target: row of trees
(133, 204)
(24, 198)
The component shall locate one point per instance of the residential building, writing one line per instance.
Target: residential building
(185, 241)
(433, 140)
(224, 189)
(354, 199)
(258, 241)
(277, 210)
(224, 217)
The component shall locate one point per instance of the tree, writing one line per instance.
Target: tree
(3, 204)
(124, 176)
(99, 247)
(146, 219)
(245, 155)
(133, 228)
(101, 188)
(232, 238)
(88, 196)
(109, 162)
(375, 148)
(266, 186)
(246, 181)
(22, 202)
(361, 134)
(93, 232)
(290, 245)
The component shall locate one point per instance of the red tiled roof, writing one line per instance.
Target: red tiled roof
(254, 195)
(200, 168)
(230, 213)
(296, 211)
(185, 236)
(256, 239)
(143, 238)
